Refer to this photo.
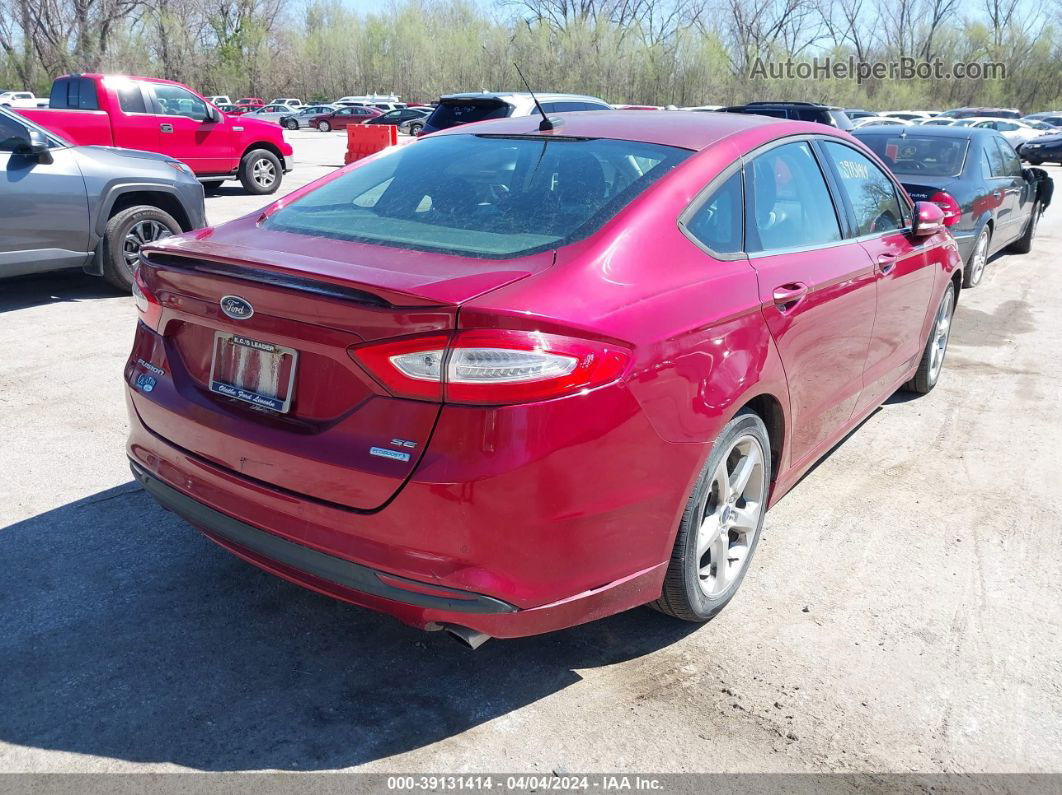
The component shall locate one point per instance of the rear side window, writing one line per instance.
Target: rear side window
(450, 113)
(717, 223)
(131, 98)
(995, 159)
(870, 194)
(74, 93)
(789, 205)
(481, 196)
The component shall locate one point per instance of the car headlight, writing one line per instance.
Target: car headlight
(180, 168)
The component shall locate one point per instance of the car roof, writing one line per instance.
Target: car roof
(542, 97)
(932, 131)
(686, 129)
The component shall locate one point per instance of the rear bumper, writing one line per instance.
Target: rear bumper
(480, 553)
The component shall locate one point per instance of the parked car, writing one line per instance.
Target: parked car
(1052, 117)
(803, 111)
(984, 113)
(482, 408)
(368, 99)
(872, 121)
(341, 118)
(301, 118)
(219, 100)
(858, 113)
(228, 108)
(169, 118)
(456, 109)
(1015, 131)
(90, 207)
(250, 102)
(1045, 149)
(975, 176)
(408, 120)
(914, 116)
(270, 113)
(21, 99)
(289, 102)
(937, 122)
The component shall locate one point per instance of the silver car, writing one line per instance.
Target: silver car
(300, 119)
(273, 113)
(89, 207)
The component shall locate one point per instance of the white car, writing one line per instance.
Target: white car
(877, 121)
(701, 107)
(22, 99)
(221, 99)
(937, 122)
(908, 115)
(391, 100)
(290, 102)
(457, 109)
(1016, 132)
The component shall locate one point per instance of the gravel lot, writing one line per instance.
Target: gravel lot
(902, 613)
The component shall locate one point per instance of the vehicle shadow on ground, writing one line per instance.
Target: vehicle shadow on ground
(130, 636)
(23, 292)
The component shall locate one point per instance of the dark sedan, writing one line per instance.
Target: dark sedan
(342, 118)
(1045, 149)
(407, 120)
(975, 176)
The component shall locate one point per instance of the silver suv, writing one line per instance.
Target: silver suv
(91, 207)
(455, 109)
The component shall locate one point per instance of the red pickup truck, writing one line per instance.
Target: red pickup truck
(162, 116)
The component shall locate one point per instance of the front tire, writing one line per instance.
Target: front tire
(324, 126)
(975, 266)
(721, 525)
(127, 231)
(260, 172)
(414, 129)
(291, 124)
(928, 372)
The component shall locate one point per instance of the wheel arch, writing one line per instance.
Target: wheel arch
(122, 197)
(266, 145)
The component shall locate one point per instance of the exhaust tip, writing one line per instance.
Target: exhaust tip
(468, 638)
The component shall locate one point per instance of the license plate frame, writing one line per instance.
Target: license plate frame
(259, 400)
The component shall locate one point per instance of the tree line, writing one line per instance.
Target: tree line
(682, 52)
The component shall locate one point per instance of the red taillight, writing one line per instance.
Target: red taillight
(147, 305)
(492, 366)
(951, 208)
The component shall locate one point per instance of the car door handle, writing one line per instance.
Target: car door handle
(789, 295)
(886, 262)
(166, 128)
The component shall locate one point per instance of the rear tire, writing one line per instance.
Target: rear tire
(721, 525)
(932, 363)
(975, 266)
(126, 232)
(260, 172)
(1023, 245)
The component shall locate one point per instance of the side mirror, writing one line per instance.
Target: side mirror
(928, 219)
(213, 115)
(36, 146)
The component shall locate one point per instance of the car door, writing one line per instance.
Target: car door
(817, 289)
(1020, 193)
(187, 133)
(43, 206)
(1003, 198)
(880, 221)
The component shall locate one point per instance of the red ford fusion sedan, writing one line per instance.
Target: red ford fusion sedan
(508, 380)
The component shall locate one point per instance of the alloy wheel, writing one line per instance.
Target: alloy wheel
(730, 515)
(264, 173)
(941, 333)
(140, 234)
(980, 258)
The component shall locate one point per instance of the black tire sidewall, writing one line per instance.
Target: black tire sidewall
(247, 172)
(702, 605)
(415, 128)
(115, 269)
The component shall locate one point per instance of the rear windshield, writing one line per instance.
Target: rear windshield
(481, 196)
(450, 112)
(916, 155)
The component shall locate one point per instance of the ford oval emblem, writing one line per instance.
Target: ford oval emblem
(237, 308)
